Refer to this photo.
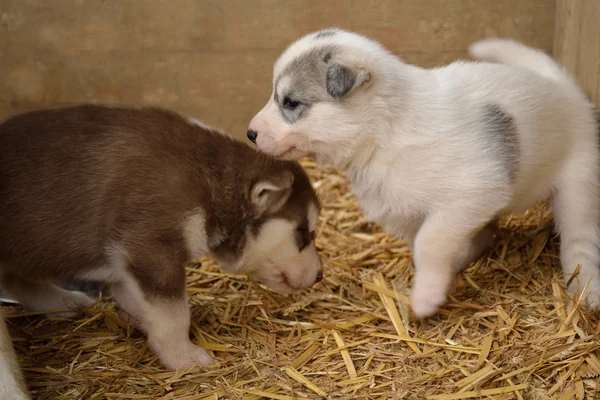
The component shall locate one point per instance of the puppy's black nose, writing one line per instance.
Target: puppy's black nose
(252, 135)
(319, 277)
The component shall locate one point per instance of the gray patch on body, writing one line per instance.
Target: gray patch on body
(502, 136)
(307, 82)
(325, 33)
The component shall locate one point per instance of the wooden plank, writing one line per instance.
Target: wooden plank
(577, 42)
(70, 26)
(213, 58)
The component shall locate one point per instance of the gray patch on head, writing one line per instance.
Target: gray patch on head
(502, 138)
(340, 80)
(307, 82)
(325, 33)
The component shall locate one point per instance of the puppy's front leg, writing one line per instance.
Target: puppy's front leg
(152, 292)
(440, 246)
(166, 322)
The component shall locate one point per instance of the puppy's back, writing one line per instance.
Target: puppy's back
(72, 178)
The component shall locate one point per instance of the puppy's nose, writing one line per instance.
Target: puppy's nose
(252, 134)
(319, 277)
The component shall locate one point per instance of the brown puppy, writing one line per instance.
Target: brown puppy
(127, 196)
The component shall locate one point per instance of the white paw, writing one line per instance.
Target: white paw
(189, 356)
(426, 302)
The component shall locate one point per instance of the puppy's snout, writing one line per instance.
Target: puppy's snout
(319, 277)
(252, 135)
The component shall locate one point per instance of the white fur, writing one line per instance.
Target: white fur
(507, 51)
(273, 258)
(411, 143)
(12, 385)
(194, 233)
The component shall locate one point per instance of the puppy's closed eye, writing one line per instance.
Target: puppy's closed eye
(303, 237)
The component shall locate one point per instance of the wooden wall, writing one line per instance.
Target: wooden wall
(213, 59)
(577, 42)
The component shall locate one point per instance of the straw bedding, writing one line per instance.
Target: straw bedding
(509, 331)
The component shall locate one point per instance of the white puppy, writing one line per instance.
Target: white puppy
(435, 155)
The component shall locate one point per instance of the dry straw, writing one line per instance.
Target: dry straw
(509, 330)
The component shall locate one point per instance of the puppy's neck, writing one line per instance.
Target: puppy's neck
(386, 114)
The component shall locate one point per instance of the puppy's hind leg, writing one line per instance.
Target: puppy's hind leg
(576, 209)
(44, 296)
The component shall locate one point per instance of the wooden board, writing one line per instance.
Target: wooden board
(577, 42)
(213, 58)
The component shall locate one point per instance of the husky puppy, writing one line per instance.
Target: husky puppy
(436, 155)
(127, 196)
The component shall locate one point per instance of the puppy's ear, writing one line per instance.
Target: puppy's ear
(269, 194)
(341, 80)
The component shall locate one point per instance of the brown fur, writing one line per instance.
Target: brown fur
(74, 179)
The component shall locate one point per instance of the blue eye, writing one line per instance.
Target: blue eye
(290, 104)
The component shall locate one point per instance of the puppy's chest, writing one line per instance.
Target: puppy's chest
(387, 197)
(195, 234)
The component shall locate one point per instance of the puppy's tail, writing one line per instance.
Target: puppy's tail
(507, 51)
